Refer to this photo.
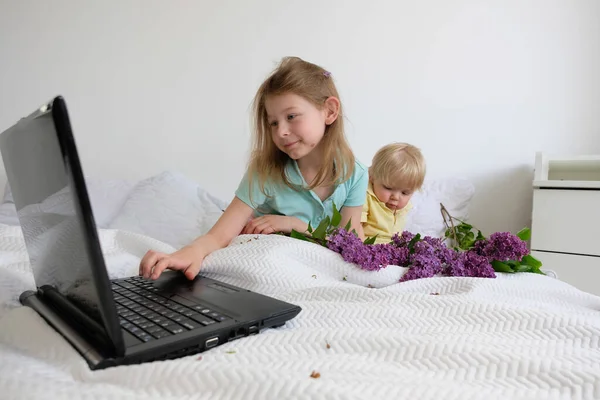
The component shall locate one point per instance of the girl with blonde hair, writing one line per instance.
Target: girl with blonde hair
(300, 166)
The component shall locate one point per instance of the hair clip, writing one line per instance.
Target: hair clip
(327, 74)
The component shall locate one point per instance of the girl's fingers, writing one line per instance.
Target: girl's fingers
(263, 228)
(160, 267)
(148, 261)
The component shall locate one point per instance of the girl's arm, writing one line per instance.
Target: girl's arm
(354, 214)
(189, 258)
(268, 224)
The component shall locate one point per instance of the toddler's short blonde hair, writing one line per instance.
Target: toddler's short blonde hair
(399, 166)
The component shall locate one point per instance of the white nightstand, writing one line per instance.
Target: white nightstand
(565, 230)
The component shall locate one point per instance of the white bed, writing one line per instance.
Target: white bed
(362, 333)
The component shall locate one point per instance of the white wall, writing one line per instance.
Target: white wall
(154, 85)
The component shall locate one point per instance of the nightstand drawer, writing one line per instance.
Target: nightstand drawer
(566, 221)
(583, 272)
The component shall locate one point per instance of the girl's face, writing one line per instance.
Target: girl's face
(297, 126)
(395, 198)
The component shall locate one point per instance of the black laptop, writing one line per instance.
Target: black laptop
(119, 321)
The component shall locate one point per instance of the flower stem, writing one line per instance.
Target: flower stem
(445, 214)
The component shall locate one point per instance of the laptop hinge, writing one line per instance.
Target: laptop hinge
(88, 351)
(90, 328)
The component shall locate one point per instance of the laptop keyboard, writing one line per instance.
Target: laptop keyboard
(148, 313)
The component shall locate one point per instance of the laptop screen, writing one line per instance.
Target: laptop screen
(47, 206)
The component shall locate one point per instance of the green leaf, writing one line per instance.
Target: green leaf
(479, 236)
(448, 232)
(531, 260)
(499, 266)
(309, 229)
(297, 235)
(414, 240)
(321, 230)
(467, 241)
(370, 240)
(337, 217)
(523, 268)
(524, 234)
(348, 225)
(462, 227)
(536, 270)
(354, 232)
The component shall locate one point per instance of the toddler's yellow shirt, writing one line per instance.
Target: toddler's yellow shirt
(378, 219)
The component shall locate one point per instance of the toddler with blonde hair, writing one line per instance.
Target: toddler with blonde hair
(396, 173)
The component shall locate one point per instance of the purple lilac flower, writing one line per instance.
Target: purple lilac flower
(423, 248)
(454, 264)
(401, 255)
(391, 255)
(429, 257)
(440, 250)
(342, 239)
(424, 266)
(402, 239)
(417, 273)
(423, 261)
(446, 255)
(502, 246)
(369, 257)
(477, 266)
(436, 243)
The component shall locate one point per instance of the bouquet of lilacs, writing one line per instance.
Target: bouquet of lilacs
(469, 253)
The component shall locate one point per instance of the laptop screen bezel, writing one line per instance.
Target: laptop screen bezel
(83, 206)
(70, 158)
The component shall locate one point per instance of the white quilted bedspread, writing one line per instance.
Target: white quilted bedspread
(514, 337)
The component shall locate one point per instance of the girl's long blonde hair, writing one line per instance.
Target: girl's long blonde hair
(315, 84)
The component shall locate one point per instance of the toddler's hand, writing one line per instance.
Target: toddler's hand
(188, 260)
(268, 224)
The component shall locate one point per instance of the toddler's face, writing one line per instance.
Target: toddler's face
(395, 198)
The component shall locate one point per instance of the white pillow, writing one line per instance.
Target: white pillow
(426, 218)
(106, 197)
(170, 208)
